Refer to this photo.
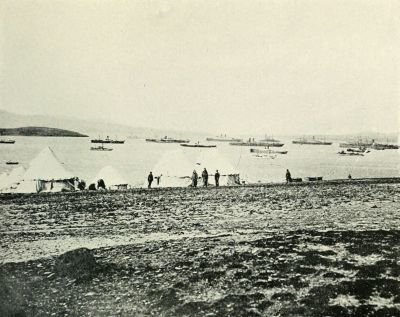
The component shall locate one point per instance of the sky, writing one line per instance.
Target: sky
(232, 66)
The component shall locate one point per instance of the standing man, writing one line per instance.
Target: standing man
(216, 179)
(194, 179)
(101, 184)
(288, 177)
(204, 175)
(150, 179)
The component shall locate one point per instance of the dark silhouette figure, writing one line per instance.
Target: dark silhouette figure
(349, 177)
(92, 187)
(81, 185)
(288, 177)
(194, 179)
(150, 179)
(101, 184)
(204, 175)
(216, 176)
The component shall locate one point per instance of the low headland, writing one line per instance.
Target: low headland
(40, 131)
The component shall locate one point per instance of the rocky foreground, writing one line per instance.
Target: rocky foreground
(316, 250)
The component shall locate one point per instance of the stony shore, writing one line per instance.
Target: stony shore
(327, 249)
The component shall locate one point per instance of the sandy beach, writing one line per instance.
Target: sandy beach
(329, 249)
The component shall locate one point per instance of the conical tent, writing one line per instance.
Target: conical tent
(111, 178)
(172, 170)
(46, 167)
(12, 179)
(212, 160)
(3, 178)
(15, 175)
(45, 173)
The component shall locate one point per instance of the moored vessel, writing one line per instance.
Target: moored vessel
(267, 151)
(380, 146)
(100, 148)
(351, 153)
(257, 143)
(7, 141)
(223, 138)
(107, 140)
(198, 144)
(357, 144)
(12, 163)
(167, 139)
(313, 141)
(269, 139)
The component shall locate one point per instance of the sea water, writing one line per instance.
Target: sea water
(136, 158)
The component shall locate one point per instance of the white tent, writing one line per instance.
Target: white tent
(212, 160)
(10, 181)
(111, 178)
(3, 178)
(46, 166)
(172, 170)
(45, 173)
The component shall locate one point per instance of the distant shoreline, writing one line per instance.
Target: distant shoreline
(40, 131)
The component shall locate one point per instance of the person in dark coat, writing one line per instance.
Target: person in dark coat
(101, 184)
(150, 179)
(92, 187)
(194, 179)
(288, 177)
(82, 185)
(216, 178)
(204, 175)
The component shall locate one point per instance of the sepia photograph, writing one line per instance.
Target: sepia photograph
(213, 158)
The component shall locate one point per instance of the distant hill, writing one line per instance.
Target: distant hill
(40, 131)
(91, 128)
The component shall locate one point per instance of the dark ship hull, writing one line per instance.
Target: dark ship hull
(108, 141)
(167, 141)
(198, 145)
(311, 142)
(268, 144)
(224, 140)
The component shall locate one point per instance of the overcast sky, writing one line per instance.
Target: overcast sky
(220, 66)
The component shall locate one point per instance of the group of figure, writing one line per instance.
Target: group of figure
(195, 177)
(101, 185)
(204, 177)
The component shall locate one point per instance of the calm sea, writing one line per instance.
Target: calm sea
(136, 157)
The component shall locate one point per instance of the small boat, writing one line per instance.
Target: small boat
(313, 141)
(100, 148)
(107, 140)
(7, 141)
(267, 151)
(198, 145)
(360, 150)
(343, 153)
(167, 140)
(269, 156)
(12, 163)
(223, 138)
